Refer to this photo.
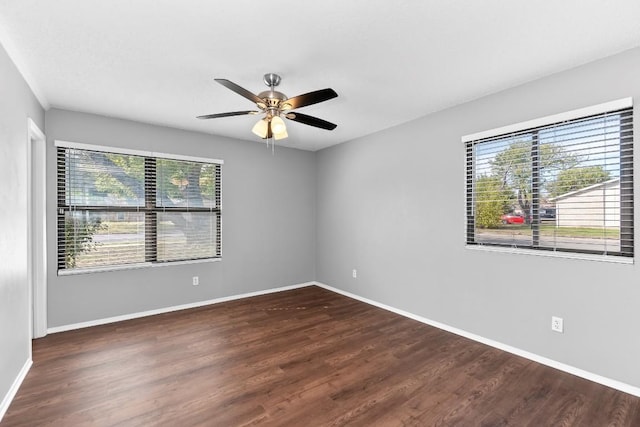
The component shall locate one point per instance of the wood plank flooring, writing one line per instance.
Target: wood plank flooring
(307, 357)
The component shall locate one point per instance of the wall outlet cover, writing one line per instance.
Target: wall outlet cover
(557, 324)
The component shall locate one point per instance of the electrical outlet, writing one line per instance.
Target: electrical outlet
(557, 324)
(354, 273)
(196, 280)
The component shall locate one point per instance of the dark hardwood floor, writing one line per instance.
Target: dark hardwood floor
(307, 357)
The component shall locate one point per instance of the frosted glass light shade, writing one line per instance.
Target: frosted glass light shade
(278, 126)
(281, 135)
(260, 128)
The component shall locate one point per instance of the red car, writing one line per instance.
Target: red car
(512, 219)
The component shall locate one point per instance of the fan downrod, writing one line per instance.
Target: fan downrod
(271, 79)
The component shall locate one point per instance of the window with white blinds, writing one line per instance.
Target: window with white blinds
(565, 184)
(120, 208)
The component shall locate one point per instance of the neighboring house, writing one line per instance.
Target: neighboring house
(595, 206)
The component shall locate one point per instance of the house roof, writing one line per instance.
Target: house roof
(584, 190)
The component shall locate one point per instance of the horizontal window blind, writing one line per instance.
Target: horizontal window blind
(118, 209)
(564, 186)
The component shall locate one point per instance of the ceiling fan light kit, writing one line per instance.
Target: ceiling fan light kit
(281, 135)
(275, 105)
(260, 128)
(277, 125)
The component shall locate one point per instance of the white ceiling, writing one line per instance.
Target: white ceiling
(390, 61)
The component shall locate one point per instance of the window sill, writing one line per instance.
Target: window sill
(134, 266)
(551, 254)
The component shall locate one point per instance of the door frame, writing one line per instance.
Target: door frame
(36, 229)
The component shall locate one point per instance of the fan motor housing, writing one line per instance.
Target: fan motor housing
(272, 98)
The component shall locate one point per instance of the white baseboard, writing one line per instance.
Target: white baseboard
(618, 385)
(8, 398)
(114, 319)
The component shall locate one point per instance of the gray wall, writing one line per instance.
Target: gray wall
(268, 223)
(17, 103)
(392, 206)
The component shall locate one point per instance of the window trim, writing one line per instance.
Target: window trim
(551, 254)
(134, 266)
(146, 154)
(117, 150)
(603, 108)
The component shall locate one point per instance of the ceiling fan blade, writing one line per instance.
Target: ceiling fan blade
(311, 121)
(309, 99)
(233, 113)
(240, 90)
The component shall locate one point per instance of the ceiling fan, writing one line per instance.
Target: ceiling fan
(275, 105)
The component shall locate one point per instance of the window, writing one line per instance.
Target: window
(562, 183)
(126, 208)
